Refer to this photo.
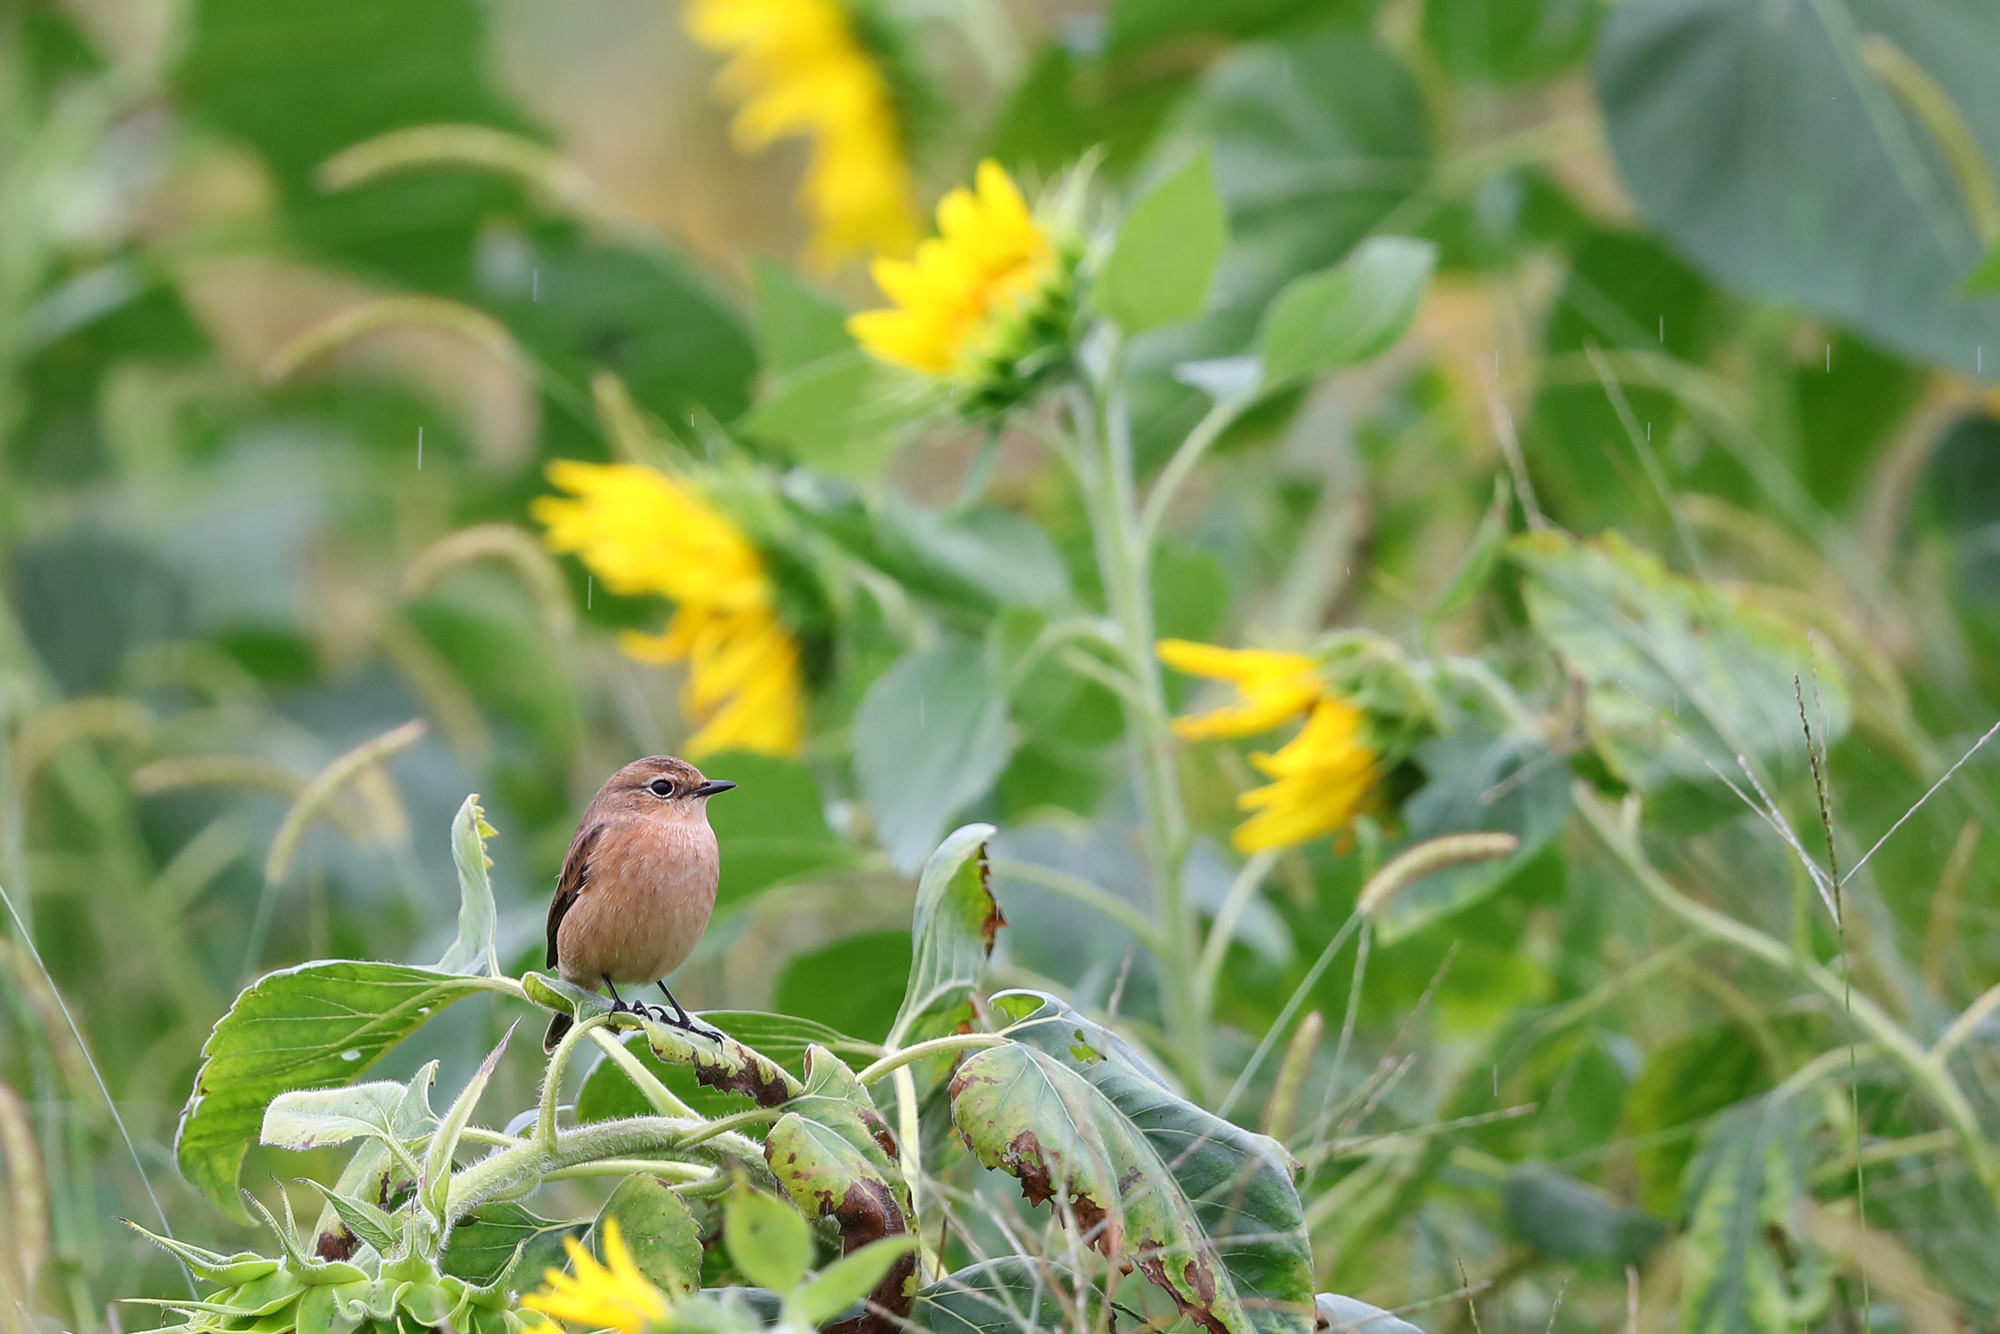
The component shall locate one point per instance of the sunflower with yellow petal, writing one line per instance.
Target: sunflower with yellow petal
(614, 1295)
(1320, 777)
(805, 68)
(983, 302)
(643, 532)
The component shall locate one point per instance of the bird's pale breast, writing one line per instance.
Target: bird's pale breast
(645, 903)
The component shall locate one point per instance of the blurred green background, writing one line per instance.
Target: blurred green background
(1721, 262)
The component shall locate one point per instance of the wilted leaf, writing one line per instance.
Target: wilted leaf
(1204, 1209)
(608, 1094)
(477, 946)
(316, 1026)
(952, 934)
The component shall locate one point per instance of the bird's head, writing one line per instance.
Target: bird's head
(660, 787)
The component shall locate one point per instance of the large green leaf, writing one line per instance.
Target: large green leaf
(930, 736)
(1756, 139)
(1508, 41)
(1743, 1195)
(1564, 1219)
(312, 1027)
(1205, 1209)
(952, 934)
(1680, 675)
(658, 1230)
(1014, 1294)
(856, 983)
(1163, 259)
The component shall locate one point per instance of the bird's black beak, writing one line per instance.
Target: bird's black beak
(711, 787)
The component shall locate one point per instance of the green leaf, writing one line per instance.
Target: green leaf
(1163, 260)
(1011, 1295)
(778, 833)
(483, 1245)
(767, 1240)
(478, 920)
(319, 1025)
(361, 1218)
(1137, 23)
(1345, 315)
(1986, 277)
(930, 736)
(1206, 1210)
(1508, 41)
(797, 324)
(1679, 674)
(952, 934)
(839, 413)
(1681, 1083)
(229, 1271)
(657, 1229)
(315, 1118)
(1759, 143)
(1564, 1219)
(856, 982)
(1476, 782)
(436, 1186)
(848, 1279)
(1743, 1198)
(375, 1170)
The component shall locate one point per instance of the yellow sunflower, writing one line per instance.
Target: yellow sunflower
(614, 1296)
(963, 297)
(643, 532)
(1322, 775)
(798, 67)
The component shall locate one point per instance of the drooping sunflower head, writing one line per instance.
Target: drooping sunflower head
(1322, 776)
(644, 532)
(986, 304)
(822, 70)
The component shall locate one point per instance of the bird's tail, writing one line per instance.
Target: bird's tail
(557, 1027)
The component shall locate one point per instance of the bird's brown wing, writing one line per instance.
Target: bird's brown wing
(569, 884)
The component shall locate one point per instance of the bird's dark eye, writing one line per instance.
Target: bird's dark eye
(661, 787)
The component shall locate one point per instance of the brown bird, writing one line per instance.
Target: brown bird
(637, 886)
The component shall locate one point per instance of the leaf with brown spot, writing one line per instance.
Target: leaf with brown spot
(952, 932)
(1204, 1209)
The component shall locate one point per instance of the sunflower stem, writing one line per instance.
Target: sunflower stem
(1110, 493)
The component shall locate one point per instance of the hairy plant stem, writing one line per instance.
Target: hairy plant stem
(1125, 567)
(1929, 1075)
(903, 1056)
(502, 1173)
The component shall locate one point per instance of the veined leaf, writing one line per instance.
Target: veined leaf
(361, 1218)
(478, 920)
(1014, 1294)
(319, 1025)
(954, 926)
(608, 1094)
(316, 1118)
(1205, 1210)
(1680, 674)
(483, 1246)
(658, 1230)
(1743, 1191)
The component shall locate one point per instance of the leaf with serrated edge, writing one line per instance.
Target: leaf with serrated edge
(952, 931)
(319, 1025)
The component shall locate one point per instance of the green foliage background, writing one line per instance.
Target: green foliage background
(1723, 268)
